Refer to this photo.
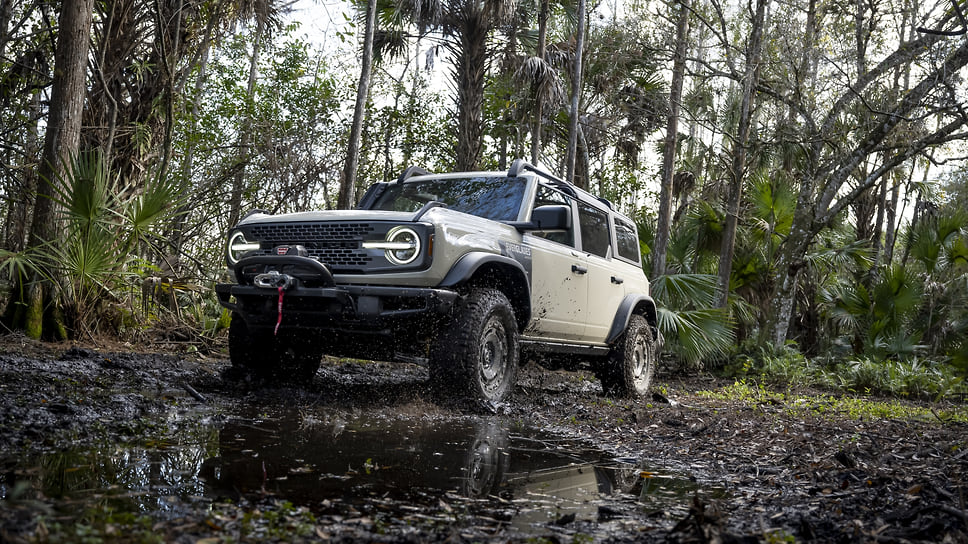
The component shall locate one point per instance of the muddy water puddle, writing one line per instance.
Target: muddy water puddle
(337, 463)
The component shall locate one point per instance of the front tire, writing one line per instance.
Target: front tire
(627, 371)
(477, 352)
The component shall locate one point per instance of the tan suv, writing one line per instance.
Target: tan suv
(460, 271)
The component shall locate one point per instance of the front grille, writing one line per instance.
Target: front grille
(337, 245)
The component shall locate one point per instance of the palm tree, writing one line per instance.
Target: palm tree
(466, 26)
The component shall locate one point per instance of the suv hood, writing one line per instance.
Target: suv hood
(329, 215)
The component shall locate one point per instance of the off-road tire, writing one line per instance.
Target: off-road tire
(265, 356)
(476, 352)
(627, 371)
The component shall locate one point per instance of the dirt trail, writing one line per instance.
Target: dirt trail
(763, 470)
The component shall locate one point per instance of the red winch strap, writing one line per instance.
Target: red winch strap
(279, 319)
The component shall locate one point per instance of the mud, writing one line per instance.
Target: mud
(110, 444)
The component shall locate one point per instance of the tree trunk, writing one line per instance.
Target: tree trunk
(542, 46)
(738, 167)
(169, 59)
(6, 12)
(188, 163)
(239, 181)
(61, 142)
(347, 190)
(890, 235)
(576, 83)
(878, 245)
(671, 139)
(471, 67)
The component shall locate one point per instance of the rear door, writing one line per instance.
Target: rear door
(606, 288)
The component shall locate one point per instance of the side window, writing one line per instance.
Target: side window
(547, 196)
(594, 230)
(627, 240)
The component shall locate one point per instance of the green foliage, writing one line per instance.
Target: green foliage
(915, 378)
(693, 329)
(405, 131)
(295, 131)
(829, 406)
(105, 229)
(879, 318)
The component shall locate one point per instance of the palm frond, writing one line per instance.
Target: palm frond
(536, 73)
(681, 290)
(694, 330)
(696, 335)
(82, 190)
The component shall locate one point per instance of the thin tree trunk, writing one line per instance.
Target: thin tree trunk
(576, 83)
(238, 182)
(6, 13)
(347, 191)
(188, 164)
(878, 246)
(738, 167)
(671, 138)
(890, 235)
(107, 146)
(542, 46)
(169, 58)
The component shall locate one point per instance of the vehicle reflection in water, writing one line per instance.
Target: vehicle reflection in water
(338, 463)
(351, 461)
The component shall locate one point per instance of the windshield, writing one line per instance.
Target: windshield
(497, 198)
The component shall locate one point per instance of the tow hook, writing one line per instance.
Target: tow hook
(273, 280)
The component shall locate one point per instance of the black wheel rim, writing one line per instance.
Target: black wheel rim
(641, 356)
(493, 355)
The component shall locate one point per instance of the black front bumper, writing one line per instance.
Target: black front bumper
(340, 307)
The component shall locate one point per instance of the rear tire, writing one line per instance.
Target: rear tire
(266, 356)
(476, 353)
(628, 370)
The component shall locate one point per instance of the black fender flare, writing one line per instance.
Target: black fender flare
(632, 304)
(498, 271)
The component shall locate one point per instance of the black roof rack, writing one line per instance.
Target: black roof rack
(412, 171)
(520, 164)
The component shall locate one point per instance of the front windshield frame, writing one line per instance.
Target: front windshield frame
(498, 198)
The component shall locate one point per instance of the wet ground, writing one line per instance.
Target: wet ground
(109, 444)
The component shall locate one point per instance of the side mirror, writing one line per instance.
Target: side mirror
(552, 217)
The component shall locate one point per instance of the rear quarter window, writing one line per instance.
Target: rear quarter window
(627, 240)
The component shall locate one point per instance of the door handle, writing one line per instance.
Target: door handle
(617, 281)
(578, 269)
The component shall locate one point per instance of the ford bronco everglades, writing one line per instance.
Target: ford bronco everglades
(462, 272)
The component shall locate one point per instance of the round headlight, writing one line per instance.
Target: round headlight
(405, 245)
(239, 246)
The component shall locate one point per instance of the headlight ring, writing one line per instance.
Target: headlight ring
(238, 246)
(401, 246)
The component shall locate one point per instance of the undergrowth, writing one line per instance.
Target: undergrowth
(917, 379)
(835, 407)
